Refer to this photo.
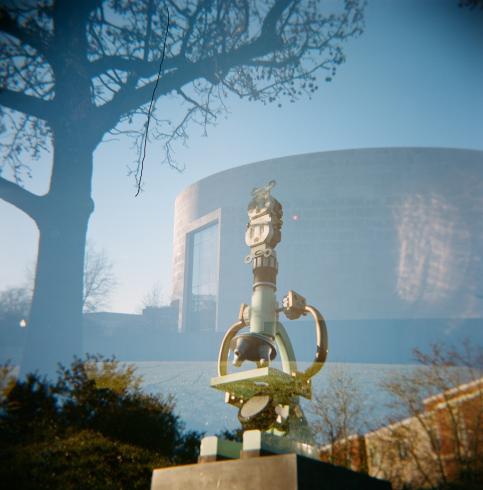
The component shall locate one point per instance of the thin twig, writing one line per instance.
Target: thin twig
(151, 104)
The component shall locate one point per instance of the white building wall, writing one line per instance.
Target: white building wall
(381, 233)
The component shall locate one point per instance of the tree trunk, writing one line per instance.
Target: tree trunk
(55, 324)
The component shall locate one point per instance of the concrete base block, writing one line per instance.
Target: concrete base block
(281, 472)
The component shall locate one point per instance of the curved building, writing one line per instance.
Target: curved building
(371, 234)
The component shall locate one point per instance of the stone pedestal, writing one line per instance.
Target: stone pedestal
(279, 472)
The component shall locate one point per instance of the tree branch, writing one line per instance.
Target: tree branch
(130, 98)
(25, 103)
(204, 109)
(83, 7)
(89, 4)
(19, 197)
(140, 68)
(40, 40)
(179, 71)
(270, 23)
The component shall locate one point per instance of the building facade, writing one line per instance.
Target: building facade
(440, 445)
(373, 234)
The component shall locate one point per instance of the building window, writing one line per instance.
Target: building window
(403, 449)
(202, 279)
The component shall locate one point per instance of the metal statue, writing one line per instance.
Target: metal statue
(268, 398)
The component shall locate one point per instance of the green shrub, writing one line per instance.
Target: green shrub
(91, 428)
(80, 460)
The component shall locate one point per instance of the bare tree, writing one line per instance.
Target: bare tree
(435, 437)
(99, 282)
(338, 412)
(15, 302)
(154, 298)
(99, 279)
(73, 72)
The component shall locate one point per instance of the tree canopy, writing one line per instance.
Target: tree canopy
(113, 51)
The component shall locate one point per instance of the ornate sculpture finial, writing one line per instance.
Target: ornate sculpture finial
(264, 190)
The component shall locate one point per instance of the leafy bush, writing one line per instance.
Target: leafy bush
(29, 411)
(91, 428)
(81, 459)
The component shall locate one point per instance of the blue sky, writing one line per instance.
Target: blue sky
(414, 78)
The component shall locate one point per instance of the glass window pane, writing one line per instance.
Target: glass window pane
(203, 279)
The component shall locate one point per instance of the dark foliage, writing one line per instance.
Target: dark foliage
(91, 428)
(29, 412)
(119, 412)
(80, 459)
(235, 435)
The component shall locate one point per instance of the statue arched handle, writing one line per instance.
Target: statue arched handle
(322, 342)
(225, 347)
